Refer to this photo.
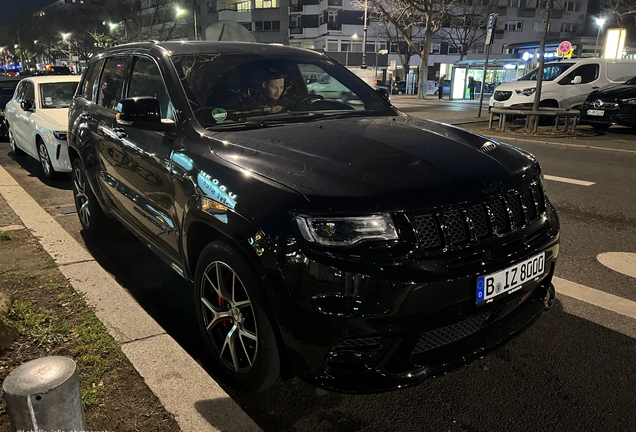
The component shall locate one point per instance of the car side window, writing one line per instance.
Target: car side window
(146, 80)
(19, 91)
(29, 92)
(112, 83)
(90, 84)
(588, 73)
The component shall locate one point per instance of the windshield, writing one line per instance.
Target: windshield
(57, 95)
(550, 72)
(631, 81)
(233, 89)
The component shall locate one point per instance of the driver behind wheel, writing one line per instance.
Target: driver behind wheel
(271, 98)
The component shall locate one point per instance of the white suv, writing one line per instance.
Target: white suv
(37, 120)
(566, 83)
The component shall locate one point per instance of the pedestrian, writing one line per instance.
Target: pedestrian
(440, 86)
(471, 87)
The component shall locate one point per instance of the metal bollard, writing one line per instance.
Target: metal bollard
(44, 394)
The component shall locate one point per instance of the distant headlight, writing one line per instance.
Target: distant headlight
(630, 101)
(526, 92)
(60, 135)
(346, 231)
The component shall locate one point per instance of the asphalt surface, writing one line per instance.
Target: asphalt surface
(572, 370)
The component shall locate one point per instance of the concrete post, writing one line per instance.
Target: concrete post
(44, 394)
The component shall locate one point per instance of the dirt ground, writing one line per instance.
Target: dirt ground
(44, 316)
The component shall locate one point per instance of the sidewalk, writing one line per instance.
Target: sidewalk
(184, 388)
(453, 112)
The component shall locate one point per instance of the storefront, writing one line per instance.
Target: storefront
(499, 71)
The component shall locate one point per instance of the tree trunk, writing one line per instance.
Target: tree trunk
(423, 75)
(537, 93)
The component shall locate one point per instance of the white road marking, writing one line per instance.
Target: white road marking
(595, 297)
(569, 180)
(622, 262)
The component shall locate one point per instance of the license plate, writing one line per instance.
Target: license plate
(510, 279)
(498, 104)
(599, 113)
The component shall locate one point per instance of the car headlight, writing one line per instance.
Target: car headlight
(629, 101)
(526, 92)
(60, 135)
(346, 231)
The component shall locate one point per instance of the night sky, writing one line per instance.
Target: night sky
(9, 7)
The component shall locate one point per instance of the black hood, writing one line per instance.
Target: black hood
(378, 163)
(614, 92)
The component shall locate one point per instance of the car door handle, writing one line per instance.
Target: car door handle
(120, 132)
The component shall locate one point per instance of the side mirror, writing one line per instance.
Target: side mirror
(26, 105)
(576, 80)
(383, 93)
(142, 112)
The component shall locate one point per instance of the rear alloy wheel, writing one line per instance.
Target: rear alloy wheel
(45, 160)
(90, 213)
(14, 147)
(231, 311)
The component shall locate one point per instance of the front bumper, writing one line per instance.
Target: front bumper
(619, 115)
(352, 333)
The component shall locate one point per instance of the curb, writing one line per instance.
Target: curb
(183, 387)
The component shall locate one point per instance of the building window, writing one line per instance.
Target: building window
(267, 26)
(538, 27)
(567, 28)
(515, 26)
(572, 6)
(247, 26)
(435, 48)
(381, 46)
(244, 6)
(454, 49)
(266, 4)
(332, 46)
(516, 3)
(210, 6)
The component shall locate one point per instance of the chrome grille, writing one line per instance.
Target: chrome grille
(497, 216)
(502, 95)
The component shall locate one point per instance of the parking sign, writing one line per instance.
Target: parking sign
(490, 28)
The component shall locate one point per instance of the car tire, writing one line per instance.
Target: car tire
(93, 219)
(45, 161)
(234, 318)
(14, 146)
(399, 92)
(601, 126)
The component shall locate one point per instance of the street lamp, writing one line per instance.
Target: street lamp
(599, 23)
(113, 26)
(355, 36)
(194, 9)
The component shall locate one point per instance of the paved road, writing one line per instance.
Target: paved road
(573, 370)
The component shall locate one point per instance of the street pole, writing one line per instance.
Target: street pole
(347, 54)
(599, 23)
(364, 39)
(483, 78)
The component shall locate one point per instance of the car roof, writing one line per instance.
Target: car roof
(201, 47)
(54, 78)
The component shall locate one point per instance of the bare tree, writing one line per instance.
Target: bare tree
(405, 15)
(619, 11)
(395, 39)
(467, 25)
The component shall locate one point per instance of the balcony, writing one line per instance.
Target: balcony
(334, 26)
(556, 14)
(233, 15)
(293, 8)
(526, 12)
(295, 30)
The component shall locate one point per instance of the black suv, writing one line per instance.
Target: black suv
(343, 241)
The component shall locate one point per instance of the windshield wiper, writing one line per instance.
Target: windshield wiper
(238, 125)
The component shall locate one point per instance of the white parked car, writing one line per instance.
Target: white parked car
(37, 120)
(566, 83)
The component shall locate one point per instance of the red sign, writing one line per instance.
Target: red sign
(565, 47)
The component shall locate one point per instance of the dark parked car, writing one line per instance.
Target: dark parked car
(399, 87)
(7, 88)
(615, 104)
(355, 246)
(57, 70)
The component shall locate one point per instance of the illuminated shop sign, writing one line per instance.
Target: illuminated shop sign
(527, 56)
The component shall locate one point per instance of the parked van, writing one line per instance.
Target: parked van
(566, 82)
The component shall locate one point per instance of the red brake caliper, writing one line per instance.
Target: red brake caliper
(226, 323)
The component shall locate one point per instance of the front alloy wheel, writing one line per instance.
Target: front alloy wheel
(45, 160)
(236, 322)
(228, 317)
